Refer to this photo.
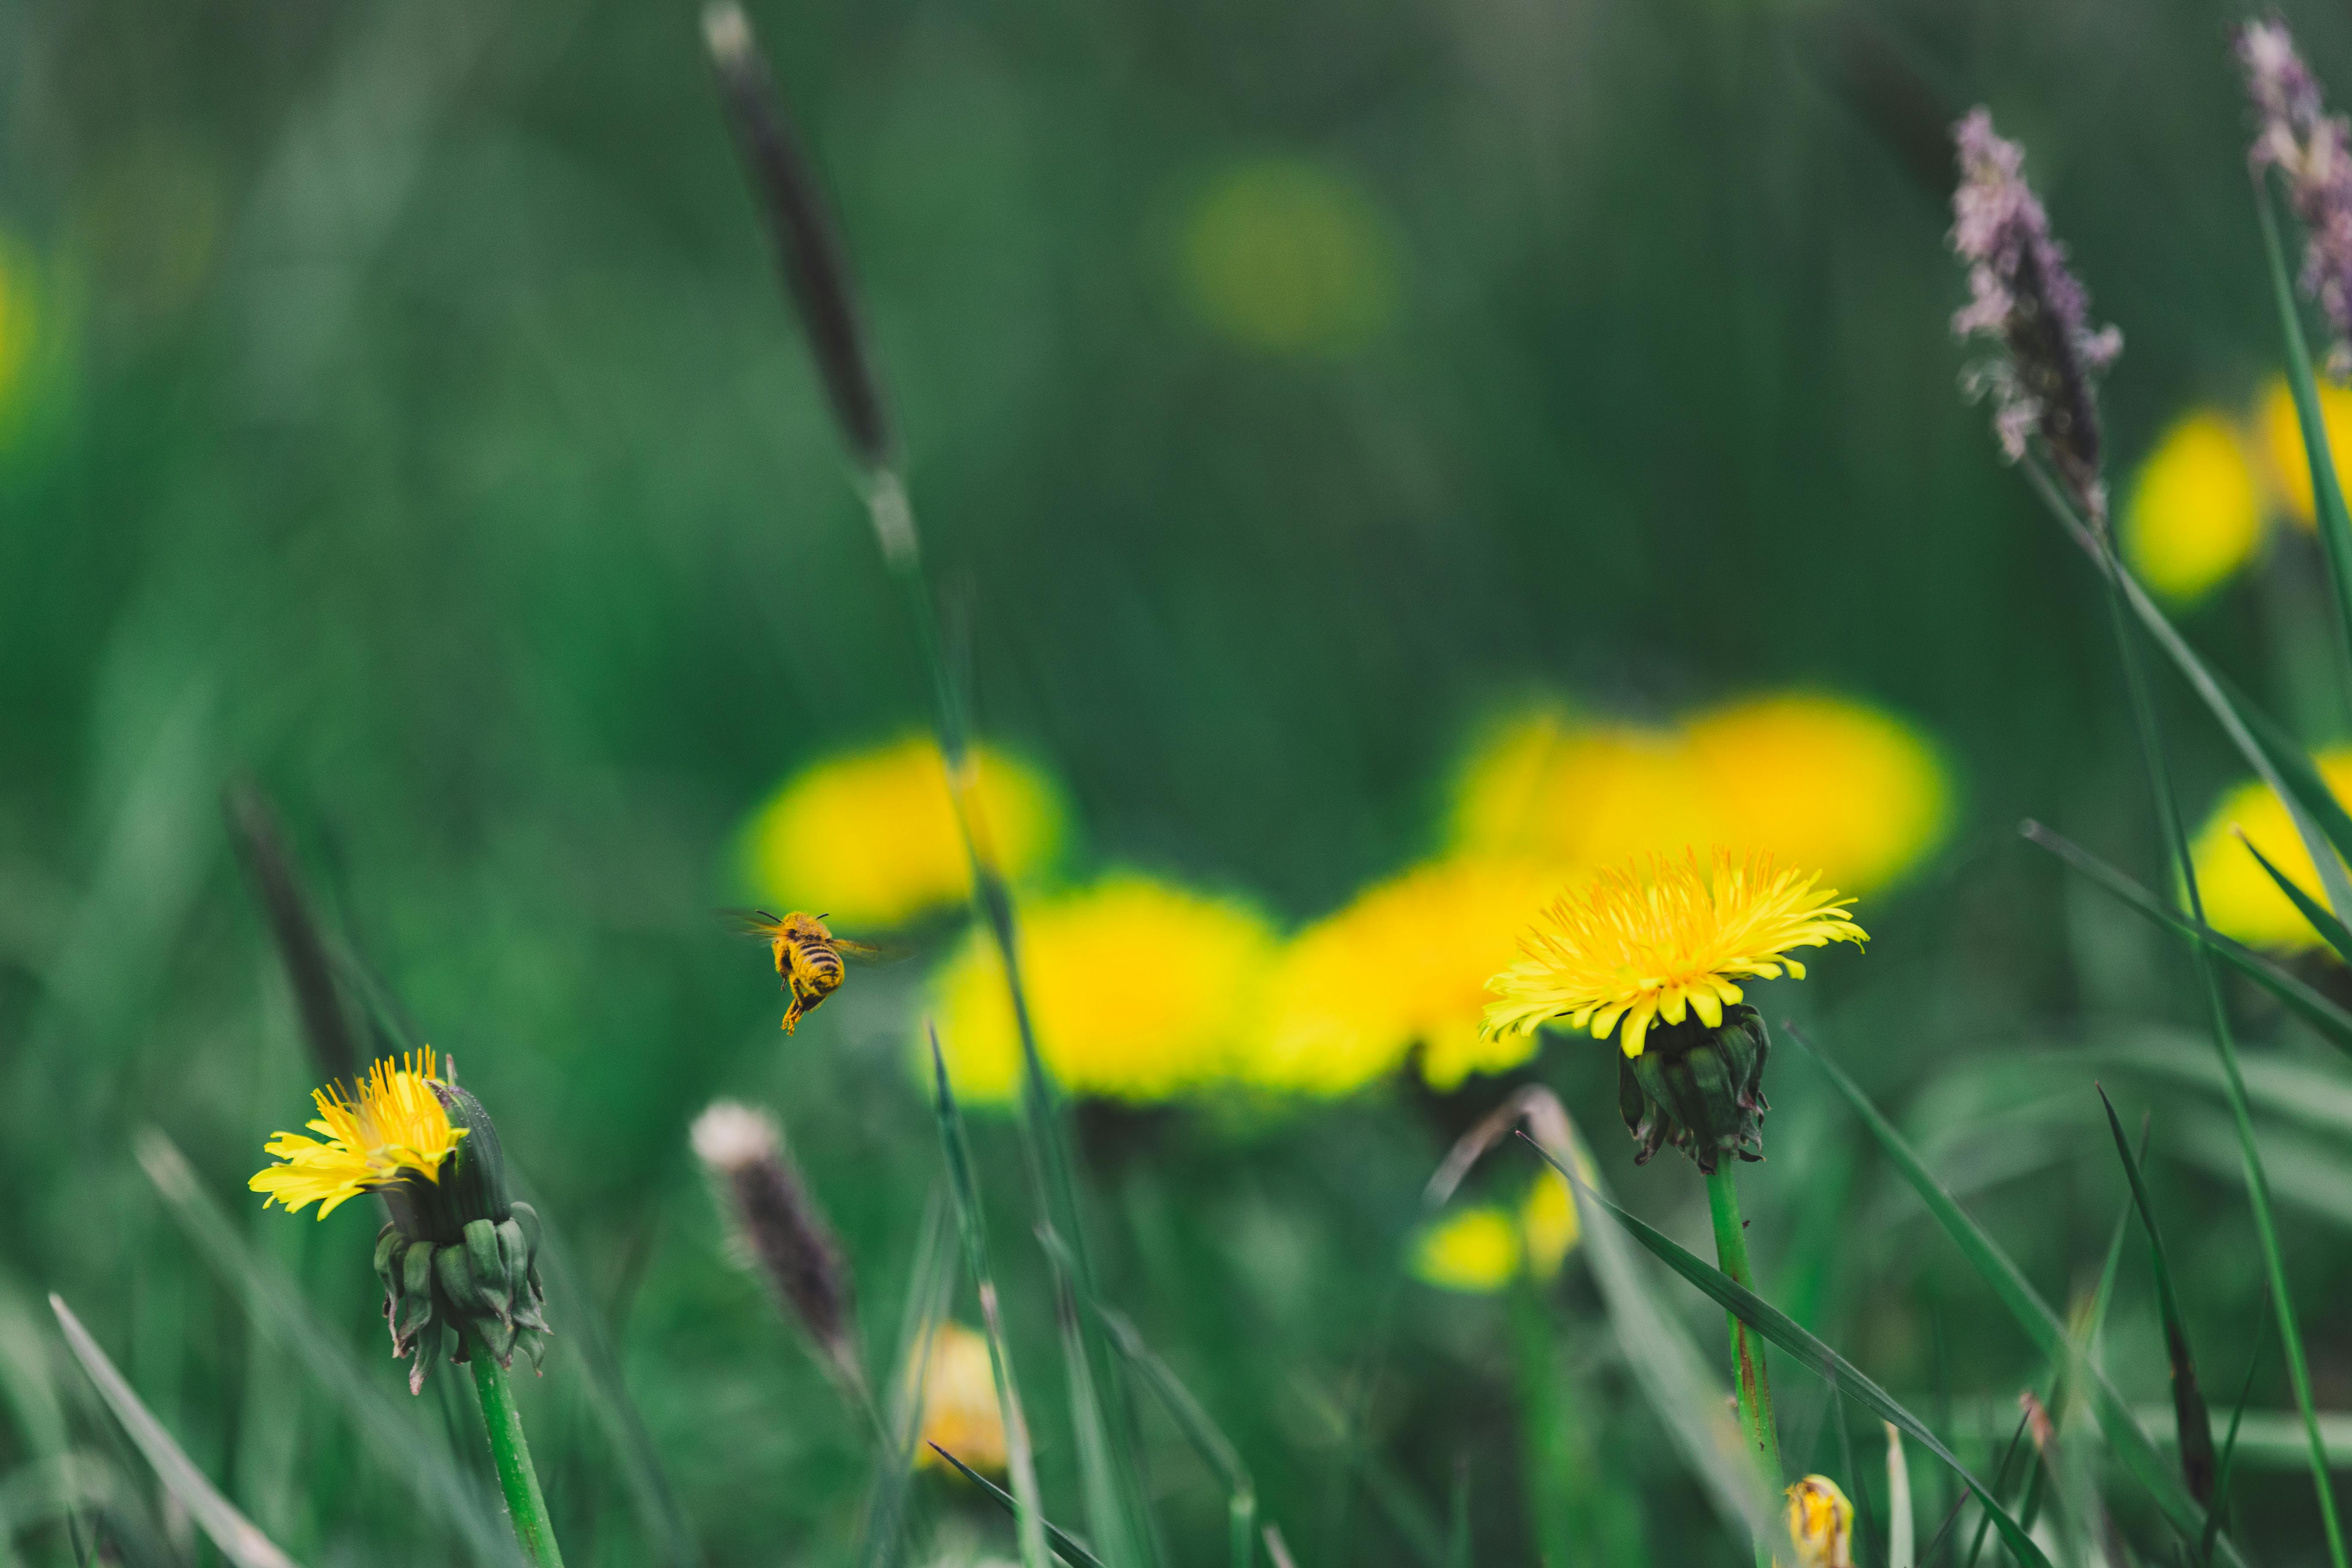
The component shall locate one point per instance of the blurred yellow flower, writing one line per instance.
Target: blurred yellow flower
(1138, 990)
(1659, 938)
(1549, 787)
(2197, 510)
(1475, 1249)
(2241, 899)
(1548, 1222)
(1820, 1524)
(1821, 782)
(1290, 255)
(2281, 438)
(1406, 964)
(960, 1412)
(871, 839)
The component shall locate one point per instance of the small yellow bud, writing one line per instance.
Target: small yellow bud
(1820, 1524)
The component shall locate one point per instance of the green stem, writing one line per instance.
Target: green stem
(510, 1451)
(1747, 1353)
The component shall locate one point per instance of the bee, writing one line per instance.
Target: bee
(808, 957)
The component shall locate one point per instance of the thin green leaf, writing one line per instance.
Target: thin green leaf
(2194, 1425)
(2328, 496)
(2321, 919)
(2124, 1434)
(1193, 1419)
(1067, 1547)
(275, 1303)
(1900, 1542)
(2332, 1022)
(964, 1188)
(1842, 1375)
(930, 1284)
(2230, 1447)
(239, 1539)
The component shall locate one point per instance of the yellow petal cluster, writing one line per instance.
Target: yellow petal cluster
(2241, 899)
(1820, 1524)
(1404, 966)
(1662, 938)
(870, 837)
(960, 1411)
(1138, 990)
(2195, 514)
(1477, 1249)
(395, 1126)
(1817, 779)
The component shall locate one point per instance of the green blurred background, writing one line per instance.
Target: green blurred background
(400, 411)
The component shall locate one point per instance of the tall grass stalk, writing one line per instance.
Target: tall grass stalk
(2183, 869)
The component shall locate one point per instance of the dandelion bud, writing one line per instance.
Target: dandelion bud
(2021, 294)
(780, 1225)
(1698, 1087)
(2311, 151)
(1820, 1524)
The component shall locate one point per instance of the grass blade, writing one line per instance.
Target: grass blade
(261, 843)
(276, 1305)
(1066, 1546)
(2331, 1021)
(2195, 1426)
(239, 1539)
(2230, 1446)
(2321, 919)
(1029, 1516)
(1785, 1332)
(2124, 1434)
(1216, 1450)
(1900, 1544)
(929, 1284)
(2328, 496)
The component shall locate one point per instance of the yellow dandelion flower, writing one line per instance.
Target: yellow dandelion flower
(1820, 1524)
(1822, 781)
(2195, 511)
(871, 837)
(1406, 964)
(2241, 899)
(1548, 1224)
(1549, 787)
(1137, 990)
(396, 1126)
(960, 1412)
(1661, 939)
(1475, 1249)
(2281, 439)
(1291, 256)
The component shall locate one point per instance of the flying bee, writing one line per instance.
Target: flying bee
(808, 957)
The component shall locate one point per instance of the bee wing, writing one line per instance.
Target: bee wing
(757, 923)
(870, 953)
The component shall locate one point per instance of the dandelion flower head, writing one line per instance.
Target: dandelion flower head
(1405, 965)
(394, 1126)
(1821, 1523)
(960, 1412)
(2196, 509)
(2241, 899)
(1662, 939)
(871, 836)
(1138, 990)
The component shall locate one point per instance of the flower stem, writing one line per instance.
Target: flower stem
(1747, 1351)
(510, 1451)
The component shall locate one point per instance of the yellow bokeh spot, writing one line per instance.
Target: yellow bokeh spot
(1289, 255)
(2195, 511)
(1548, 1222)
(2241, 899)
(961, 1410)
(1821, 782)
(871, 839)
(1405, 965)
(1475, 1249)
(2281, 438)
(1138, 990)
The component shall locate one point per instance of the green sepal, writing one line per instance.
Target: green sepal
(457, 1280)
(388, 1245)
(416, 1295)
(489, 1268)
(1698, 1088)
(428, 1352)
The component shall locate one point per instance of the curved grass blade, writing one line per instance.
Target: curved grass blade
(2331, 1021)
(1029, 1516)
(2321, 919)
(2328, 496)
(2124, 1435)
(1792, 1336)
(1067, 1547)
(1900, 1540)
(239, 1539)
(276, 1305)
(2194, 1424)
(2230, 1447)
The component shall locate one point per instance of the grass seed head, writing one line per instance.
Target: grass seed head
(780, 1227)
